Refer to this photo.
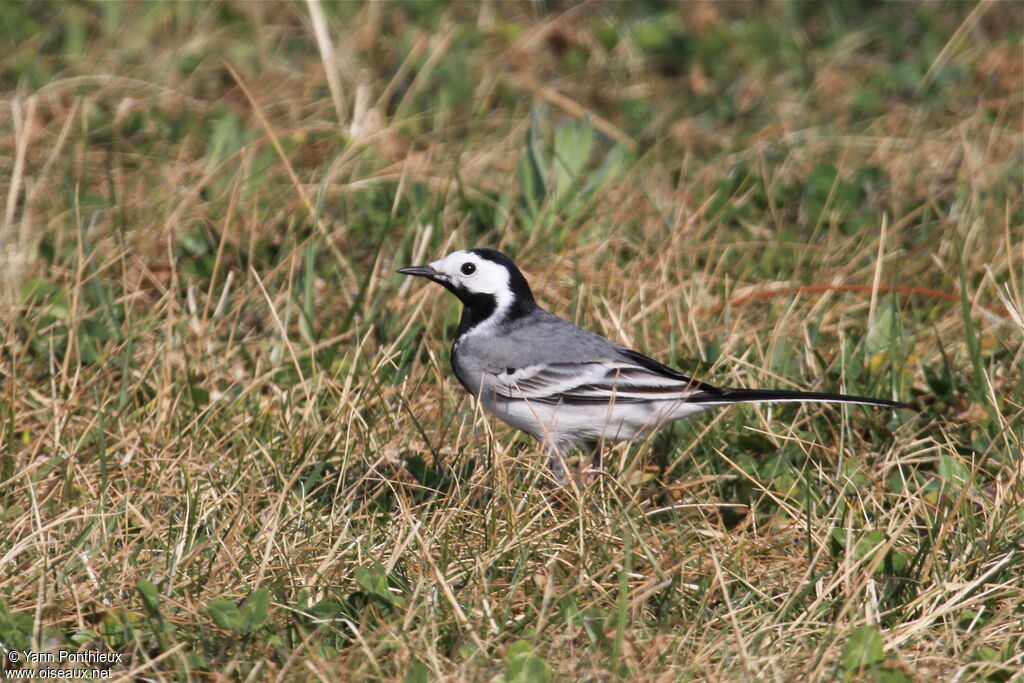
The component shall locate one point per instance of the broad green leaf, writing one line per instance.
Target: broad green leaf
(953, 471)
(864, 648)
(15, 628)
(327, 609)
(522, 665)
(882, 335)
(573, 145)
(520, 647)
(868, 543)
(254, 610)
(224, 613)
(374, 581)
(532, 167)
(417, 673)
(150, 598)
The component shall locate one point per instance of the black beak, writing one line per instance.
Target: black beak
(420, 271)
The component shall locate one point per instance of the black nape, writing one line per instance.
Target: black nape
(522, 297)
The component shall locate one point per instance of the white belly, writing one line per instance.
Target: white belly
(573, 423)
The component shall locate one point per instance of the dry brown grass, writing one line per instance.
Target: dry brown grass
(214, 383)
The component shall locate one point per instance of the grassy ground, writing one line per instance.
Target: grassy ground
(230, 441)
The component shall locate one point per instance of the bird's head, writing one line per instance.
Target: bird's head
(486, 281)
(475, 273)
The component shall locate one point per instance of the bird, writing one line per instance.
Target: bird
(563, 385)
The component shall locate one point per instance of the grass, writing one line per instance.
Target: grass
(231, 442)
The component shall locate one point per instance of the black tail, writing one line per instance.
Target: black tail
(782, 396)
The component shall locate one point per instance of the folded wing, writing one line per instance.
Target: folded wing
(630, 377)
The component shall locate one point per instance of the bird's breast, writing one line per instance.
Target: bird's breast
(466, 371)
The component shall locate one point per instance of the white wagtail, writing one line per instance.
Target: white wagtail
(561, 384)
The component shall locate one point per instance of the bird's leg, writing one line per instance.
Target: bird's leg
(555, 452)
(588, 477)
(595, 449)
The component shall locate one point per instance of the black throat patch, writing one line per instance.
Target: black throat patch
(476, 308)
(479, 307)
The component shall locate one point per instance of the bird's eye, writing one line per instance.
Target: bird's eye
(468, 268)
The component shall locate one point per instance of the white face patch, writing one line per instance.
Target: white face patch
(478, 275)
